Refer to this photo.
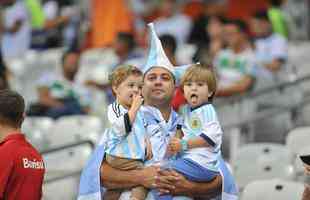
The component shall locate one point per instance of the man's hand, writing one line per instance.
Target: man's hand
(175, 146)
(171, 182)
(149, 176)
(16, 27)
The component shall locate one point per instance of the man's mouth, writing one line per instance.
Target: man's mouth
(157, 90)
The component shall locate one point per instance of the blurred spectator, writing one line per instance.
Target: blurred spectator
(271, 48)
(108, 18)
(127, 53)
(277, 18)
(61, 95)
(214, 30)
(125, 48)
(3, 69)
(235, 65)
(16, 35)
(169, 44)
(4, 84)
(171, 21)
(47, 23)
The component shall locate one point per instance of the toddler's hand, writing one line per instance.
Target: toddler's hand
(175, 145)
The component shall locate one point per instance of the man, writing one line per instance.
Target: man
(158, 91)
(62, 95)
(21, 166)
(235, 65)
(17, 30)
(271, 48)
(161, 121)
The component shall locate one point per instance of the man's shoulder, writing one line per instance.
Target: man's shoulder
(14, 149)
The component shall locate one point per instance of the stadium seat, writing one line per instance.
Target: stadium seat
(273, 189)
(298, 138)
(71, 129)
(63, 162)
(262, 161)
(37, 130)
(65, 189)
(299, 168)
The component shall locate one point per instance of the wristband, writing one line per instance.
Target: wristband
(184, 145)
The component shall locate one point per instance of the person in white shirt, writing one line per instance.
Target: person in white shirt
(271, 49)
(235, 65)
(16, 37)
(172, 22)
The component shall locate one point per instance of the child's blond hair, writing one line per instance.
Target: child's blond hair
(121, 73)
(203, 73)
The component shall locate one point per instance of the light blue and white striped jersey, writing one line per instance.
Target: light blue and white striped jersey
(159, 131)
(202, 121)
(124, 139)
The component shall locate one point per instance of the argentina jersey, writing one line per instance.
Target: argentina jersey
(159, 131)
(123, 139)
(202, 121)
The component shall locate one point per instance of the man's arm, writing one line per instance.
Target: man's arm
(45, 98)
(238, 88)
(113, 178)
(275, 65)
(174, 183)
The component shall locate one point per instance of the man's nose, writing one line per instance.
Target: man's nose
(158, 81)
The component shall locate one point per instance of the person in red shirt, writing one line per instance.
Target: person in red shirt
(21, 166)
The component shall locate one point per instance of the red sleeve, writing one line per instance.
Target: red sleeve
(178, 99)
(6, 168)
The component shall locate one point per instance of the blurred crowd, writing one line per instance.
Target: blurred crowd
(246, 43)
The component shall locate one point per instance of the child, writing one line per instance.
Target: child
(199, 148)
(126, 139)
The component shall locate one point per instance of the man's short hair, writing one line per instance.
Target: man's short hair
(262, 15)
(12, 108)
(276, 3)
(242, 26)
(67, 53)
(128, 39)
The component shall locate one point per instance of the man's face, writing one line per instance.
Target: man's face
(232, 35)
(259, 27)
(71, 64)
(158, 86)
(120, 47)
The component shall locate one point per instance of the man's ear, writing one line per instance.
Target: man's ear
(210, 94)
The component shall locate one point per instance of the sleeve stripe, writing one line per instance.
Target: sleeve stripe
(116, 109)
(127, 123)
(208, 139)
(113, 108)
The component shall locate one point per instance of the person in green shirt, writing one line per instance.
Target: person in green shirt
(277, 18)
